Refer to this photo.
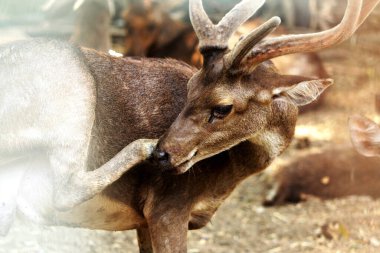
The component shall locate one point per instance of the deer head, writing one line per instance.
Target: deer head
(148, 24)
(238, 95)
(365, 135)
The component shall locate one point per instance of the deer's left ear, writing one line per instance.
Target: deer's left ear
(304, 92)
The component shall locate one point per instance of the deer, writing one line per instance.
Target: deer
(313, 14)
(331, 173)
(92, 24)
(92, 28)
(84, 151)
(153, 32)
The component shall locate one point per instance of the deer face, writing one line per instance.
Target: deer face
(149, 27)
(238, 95)
(224, 109)
(143, 26)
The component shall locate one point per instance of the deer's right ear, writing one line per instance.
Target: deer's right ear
(304, 92)
(365, 135)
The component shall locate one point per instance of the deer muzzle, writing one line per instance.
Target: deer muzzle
(164, 160)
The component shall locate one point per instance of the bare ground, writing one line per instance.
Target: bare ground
(242, 224)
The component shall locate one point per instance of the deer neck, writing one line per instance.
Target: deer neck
(257, 153)
(271, 141)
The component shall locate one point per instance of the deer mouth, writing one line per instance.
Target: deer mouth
(187, 163)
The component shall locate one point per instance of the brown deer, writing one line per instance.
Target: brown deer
(333, 173)
(153, 32)
(68, 151)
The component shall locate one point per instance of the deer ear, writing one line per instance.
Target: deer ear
(365, 135)
(304, 92)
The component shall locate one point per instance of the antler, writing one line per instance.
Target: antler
(217, 36)
(357, 11)
(232, 60)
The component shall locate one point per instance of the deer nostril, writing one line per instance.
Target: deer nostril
(162, 160)
(161, 156)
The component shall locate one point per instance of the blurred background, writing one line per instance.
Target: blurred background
(322, 194)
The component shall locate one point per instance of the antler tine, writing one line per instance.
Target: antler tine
(355, 14)
(238, 15)
(241, 49)
(217, 36)
(202, 25)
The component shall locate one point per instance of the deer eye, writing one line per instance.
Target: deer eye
(220, 112)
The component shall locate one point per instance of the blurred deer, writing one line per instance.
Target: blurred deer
(93, 24)
(76, 145)
(153, 32)
(333, 173)
(92, 20)
(313, 14)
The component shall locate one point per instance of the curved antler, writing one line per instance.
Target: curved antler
(356, 13)
(232, 60)
(217, 36)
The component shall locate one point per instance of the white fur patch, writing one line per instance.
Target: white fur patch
(273, 191)
(205, 205)
(10, 178)
(272, 141)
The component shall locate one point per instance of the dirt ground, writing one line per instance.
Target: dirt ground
(242, 224)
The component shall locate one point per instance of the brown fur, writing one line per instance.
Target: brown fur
(333, 173)
(136, 98)
(306, 64)
(197, 134)
(167, 204)
(151, 32)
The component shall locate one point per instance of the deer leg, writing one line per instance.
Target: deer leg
(145, 243)
(276, 195)
(74, 185)
(66, 143)
(169, 232)
(10, 178)
(7, 212)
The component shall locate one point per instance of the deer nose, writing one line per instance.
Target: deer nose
(161, 156)
(163, 159)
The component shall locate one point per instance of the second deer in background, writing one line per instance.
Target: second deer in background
(332, 173)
